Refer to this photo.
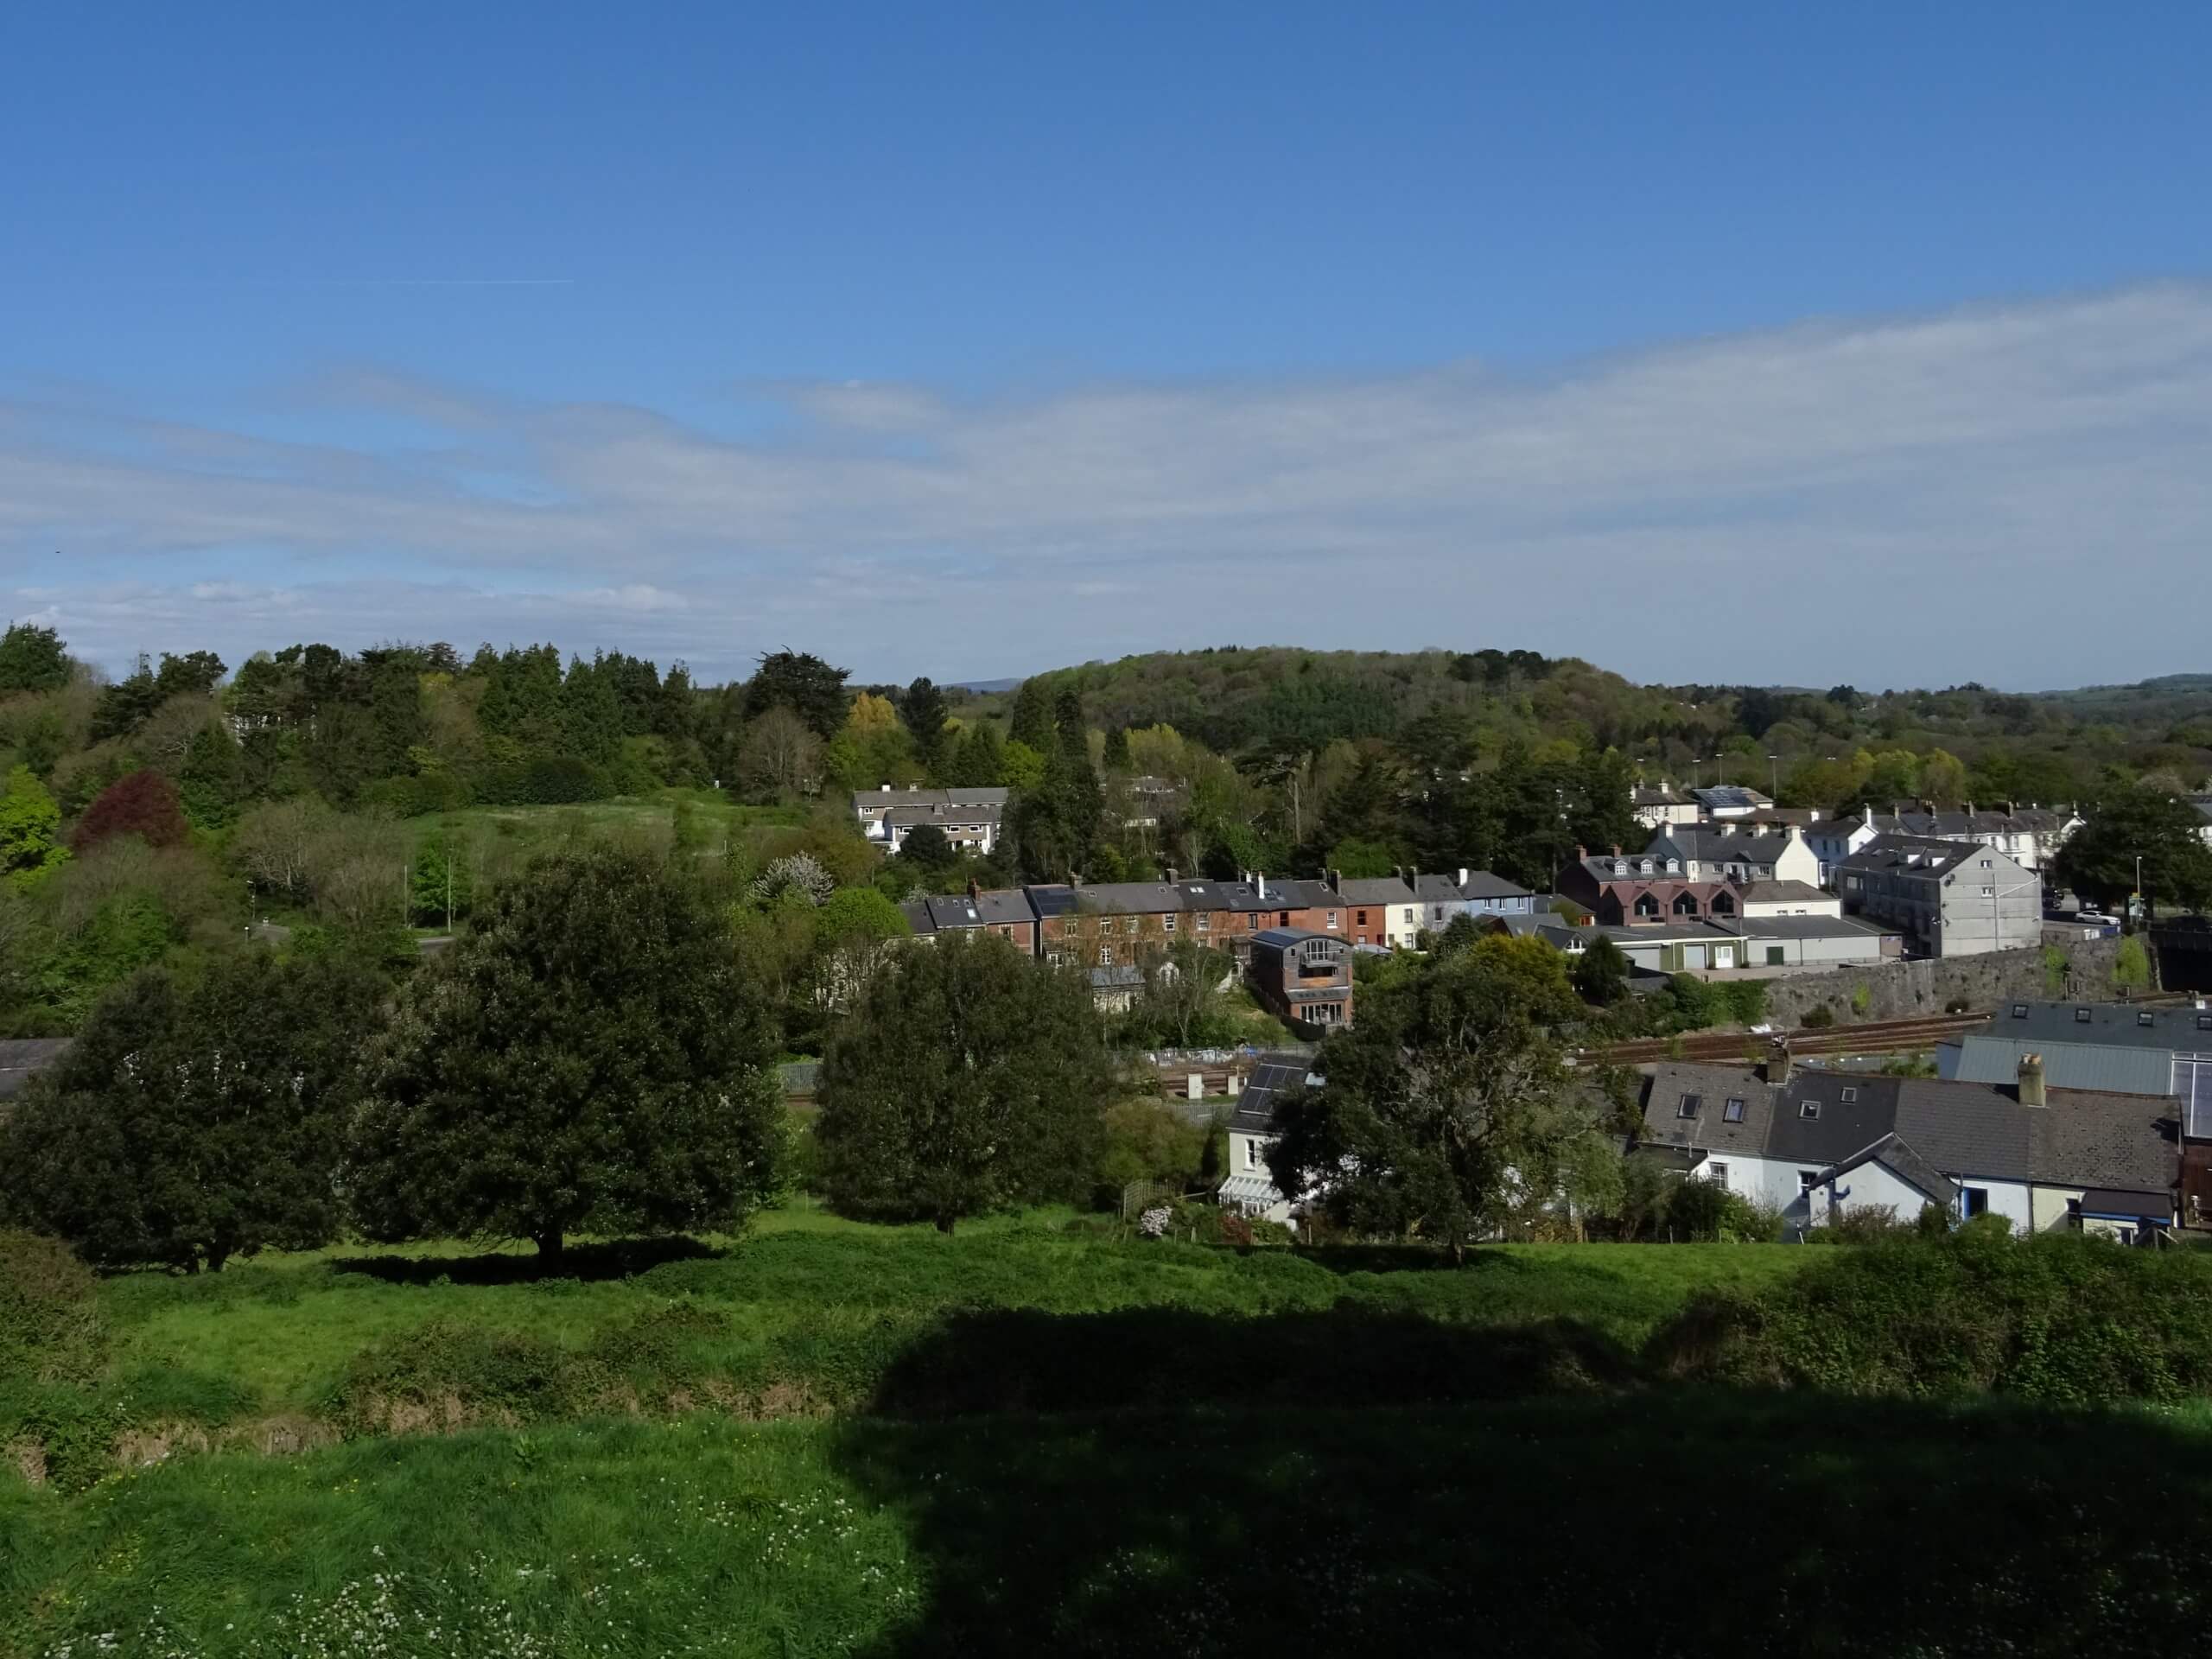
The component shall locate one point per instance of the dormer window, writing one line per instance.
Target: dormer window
(1644, 868)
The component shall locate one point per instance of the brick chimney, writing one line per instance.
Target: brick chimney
(2032, 1088)
(1779, 1062)
(975, 889)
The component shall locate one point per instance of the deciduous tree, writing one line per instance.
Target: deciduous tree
(1447, 1104)
(143, 804)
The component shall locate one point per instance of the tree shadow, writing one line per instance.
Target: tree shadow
(1347, 1483)
(620, 1258)
(1398, 1258)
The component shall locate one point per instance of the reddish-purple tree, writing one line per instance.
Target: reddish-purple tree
(144, 804)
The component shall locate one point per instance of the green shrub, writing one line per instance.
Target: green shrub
(1819, 1017)
(1707, 1212)
(2059, 1318)
(49, 1324)
(1862, 998)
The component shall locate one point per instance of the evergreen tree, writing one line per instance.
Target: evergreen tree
(213, 777)
(970, 1078)
(193, 1122)
(804, 684)
(1033, 723)
(31, 660)
(978, 760)
(585, 1056)
(1118, 749)
(923, 709)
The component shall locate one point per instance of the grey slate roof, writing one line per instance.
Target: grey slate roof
(22, 1057)
(1919, 853)
(1896, 1154)
(1721, 796)
(2120, 1024)
(1723, 843)
(1771, 892)
(1960, 1130)
(1714, 1085)
(874, 798)
(2112, 1068)
(956, 816)
(1483, 884)
(1376, 890)
(1960, 826)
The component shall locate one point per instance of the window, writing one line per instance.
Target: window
(1202, 923)
(2073, 1211)
(1987, 865)
(1850, 1094)
(1360, 918)
(1974, 1201)
(1808, 1109)
(1690, 1103)
(2081, 1016)
(1251, 1154)
(1133, 924)
(1808, 1180)
(1436, 912)
(1332, 921)
(1720, 1176)
(2019, 1010)
(1167, 923)
(1988, 892)
(2143, 1020)
(2204, 1022)
(1733, 1111)
(1105, 955)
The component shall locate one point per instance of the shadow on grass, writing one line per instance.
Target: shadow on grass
(1161, 1483)
(612, 1259)
(1396, 1258)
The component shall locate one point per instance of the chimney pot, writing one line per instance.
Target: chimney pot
(2034, 1091)
(1779, 1062)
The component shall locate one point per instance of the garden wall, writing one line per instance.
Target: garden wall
(1902, 990)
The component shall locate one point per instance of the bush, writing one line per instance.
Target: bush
(2060, 1319)
(1862, 998)
(1706, 1212)
(49, 1325)
(1819, 1017)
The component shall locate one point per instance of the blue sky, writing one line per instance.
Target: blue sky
(972, 340)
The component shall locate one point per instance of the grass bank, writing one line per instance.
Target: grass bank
(1660, 1523)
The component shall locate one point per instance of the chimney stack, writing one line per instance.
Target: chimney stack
(975, 890)
(2032, 1087)
(1336, 879)
(1464, 872)
(1779, 1062)
(1173, 876)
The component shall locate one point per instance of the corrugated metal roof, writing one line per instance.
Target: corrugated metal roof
(2104, 1067)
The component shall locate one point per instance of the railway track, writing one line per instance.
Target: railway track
(1875, 1037)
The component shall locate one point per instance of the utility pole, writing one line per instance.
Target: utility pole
(1774, 775)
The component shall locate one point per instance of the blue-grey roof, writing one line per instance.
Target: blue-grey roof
(2119, 1024)
(2112, 1068)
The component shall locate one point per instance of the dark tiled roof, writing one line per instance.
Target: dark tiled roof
(1837, 1126)
(1896, 1154)
(2120, 1024)
(2094, 1139)
(1920, 854)
(1482, 883)
(2111, 1204)
(1968, 1128)
(1376, 890)
(1714, 1086)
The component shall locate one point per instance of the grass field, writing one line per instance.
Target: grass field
(651, 816)
(825, 1438)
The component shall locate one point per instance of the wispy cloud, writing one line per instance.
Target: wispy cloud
(1976, 494)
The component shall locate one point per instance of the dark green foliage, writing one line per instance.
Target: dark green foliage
(1704, 1212)
(49, 1325)
(31, 660)
(802, 683)
(1446, 1098)
(584, 1057)
(1600, 974)
(2099, 859)
(214, 780)
(923, 707)
(192, 1122)
(2060, 1317)
(967, 1079)
(1819, 1017)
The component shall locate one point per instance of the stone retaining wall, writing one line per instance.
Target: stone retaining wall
(1903, 990)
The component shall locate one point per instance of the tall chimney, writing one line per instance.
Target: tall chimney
(2032, 1089)
(1260, 882)
(975, 889)
(1336, 879)
(1464, 871)
(1779, 1062)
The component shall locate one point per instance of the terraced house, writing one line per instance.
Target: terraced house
(1814, 1145)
